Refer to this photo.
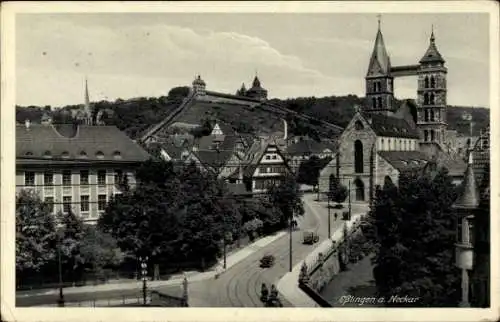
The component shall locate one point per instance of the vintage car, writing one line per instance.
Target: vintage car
(310, 237)
(267, 261)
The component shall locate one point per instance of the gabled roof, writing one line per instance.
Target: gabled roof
(175, 152)
(456, 167)
(306, 146)
(405, 160)
(379, 61)
(82, 143)
(213, 159)
(254, 164)
(432, 54)
(384, 125)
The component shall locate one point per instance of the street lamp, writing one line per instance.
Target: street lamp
(144, 272)
(329, 219)
(290, 228)
(60, 301)
(349, 194)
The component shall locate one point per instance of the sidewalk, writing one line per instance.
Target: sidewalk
(288, 285)
(193, 276)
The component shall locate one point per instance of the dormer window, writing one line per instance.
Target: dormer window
(99, 155)
(117, 155)
(47, 154)
(83, 154)
(65, 154)
(29, 154)
(359, 126)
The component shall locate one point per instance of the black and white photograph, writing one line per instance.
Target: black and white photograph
(238, 158)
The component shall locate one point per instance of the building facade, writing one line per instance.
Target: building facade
(75, 167)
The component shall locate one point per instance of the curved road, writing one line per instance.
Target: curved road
(240, 285)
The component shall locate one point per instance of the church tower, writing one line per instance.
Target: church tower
(379, 82)
(431, 95)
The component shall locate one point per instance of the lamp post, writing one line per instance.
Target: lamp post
(290, 228)
(349, 194)
(329, 220)
(144, 272)
(60, 301)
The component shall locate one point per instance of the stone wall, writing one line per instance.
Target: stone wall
(320, 270)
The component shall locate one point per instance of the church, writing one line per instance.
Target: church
(386, 137)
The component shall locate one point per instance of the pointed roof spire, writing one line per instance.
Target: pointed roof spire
(469, 197)
(432, 54)
(87, 100)
(379, 62)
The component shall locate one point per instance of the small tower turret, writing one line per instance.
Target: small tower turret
(466, 206)
(431, 95)
(199, 86)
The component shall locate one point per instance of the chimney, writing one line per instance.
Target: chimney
(27, 123)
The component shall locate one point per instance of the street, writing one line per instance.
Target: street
(240, 285)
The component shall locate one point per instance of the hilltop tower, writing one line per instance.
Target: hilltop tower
(199, 86)
(257, 91)
(379, 81)
(431, 95)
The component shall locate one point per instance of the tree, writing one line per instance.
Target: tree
(35, 232)
(337, 192)
(309, 171)
(99, 250)
(287, 200)
(69, 240)
(416, 235)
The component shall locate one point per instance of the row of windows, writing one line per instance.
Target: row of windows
(429, 82)
(266, 184)
(48, 177)
(429, 99)
(376, 102)
(430, 116)
(82, 154)
(433, 135)
(84, 203)
(272, 169)
(396, 144)
(271, 157)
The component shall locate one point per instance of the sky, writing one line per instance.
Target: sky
(126, 55)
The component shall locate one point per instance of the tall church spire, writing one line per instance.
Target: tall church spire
(379, 61)
(87, 108)
(432, 54)
(379, 81)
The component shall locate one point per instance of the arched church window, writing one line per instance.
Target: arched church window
(358, 156)
(375, 87)
(374, 103)
(358, 125)
(426, 82)
(426, 135)
(405, 145)
(379, 100)
(433, 82)
(432, 115)
(426, 99)
(382, 144)
(432, 135)
(431, 99)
